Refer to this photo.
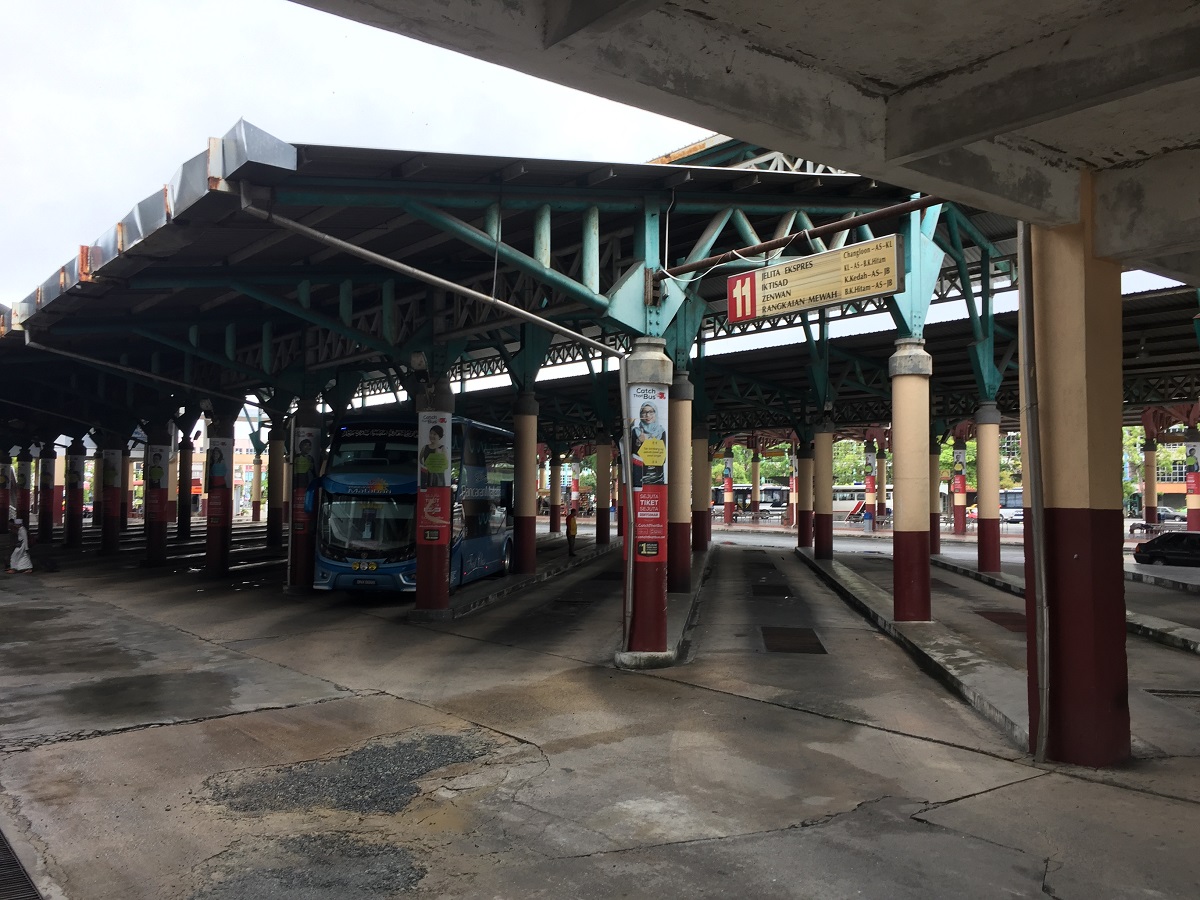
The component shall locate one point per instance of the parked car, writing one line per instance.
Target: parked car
(1175, 548)
(1166, 514)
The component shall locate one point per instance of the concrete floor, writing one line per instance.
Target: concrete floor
(169, 737)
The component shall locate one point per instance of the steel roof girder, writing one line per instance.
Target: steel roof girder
(923, 265)
(313, 317)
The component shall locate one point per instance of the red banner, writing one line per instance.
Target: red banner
(218, 503)
(650, 523)
(1193, 482)
(433, 515)
(959, 484)
(870, 484)
(300, 518)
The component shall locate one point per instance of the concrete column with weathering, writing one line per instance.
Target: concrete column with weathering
(823, 493)
(881, 483)
(256, 490)
(604, 459)
(1150, 495)
(525, 484)
(727, 479)
(183, 504)
(935, 498)
(276, 482)
(556, 494)
(910, 368)
(987, 485)
(804, 494)
(679, 484)
(48, 494)
(701, 489)
(76, 460)
(958, 485)
(1076, 315)
(755, 477)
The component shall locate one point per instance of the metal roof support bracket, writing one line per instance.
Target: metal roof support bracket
(922, 264)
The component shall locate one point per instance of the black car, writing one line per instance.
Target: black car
(1171, 515)
(1175, 548)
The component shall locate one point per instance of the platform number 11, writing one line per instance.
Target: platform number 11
(743, 303)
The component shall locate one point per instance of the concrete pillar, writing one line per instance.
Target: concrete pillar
(1150, 494)
(435, 410)
(958, 485)
(1192, 438)
(574, 501)
(256, 490)
(306, 446)
(987, 485)
(525, 483)
(556, 494)
(881, 483)
(648, 375)
(789, 516)
(935, 498)
(1077, 331)
(183, 503)
(755, 477)
(870, 486)
(910, 368)
(679, 502)
(126, 486)
(823, 493)
(218, 483)
(73, 529)
(109, 477)
(622, 496)
(24, 483)
(97, 489)
(604, 459)
(172, 481)
(727, 478)
(276, 484)
(804, 493)
(60, 482)
(543, 485)
(701, 489)
(155, 481)
(49, 496)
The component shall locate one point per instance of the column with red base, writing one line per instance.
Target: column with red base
(1150, 476)
(73, 526)
(256, 490)
(881, 489)
(24, 482)
(679, 507)
(648, 377)
(155, 476)
(435, 436)
(701, 489)
(525, 483)
(935, 496)
(755, 476)
(277, 482)
(727, 479)
(48, 495)
(109, 477)
(987, 484)
(218, 483)
(958, 485)
(556, 493)
(823, 493)
(604, 457)
(306, 447)
(804, 493)
(910, 368)
(183, 512)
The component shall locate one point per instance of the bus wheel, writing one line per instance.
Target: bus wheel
(506, 566)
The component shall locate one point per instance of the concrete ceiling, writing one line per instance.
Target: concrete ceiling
(1000, 104)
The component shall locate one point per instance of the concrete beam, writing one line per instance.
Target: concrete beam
(565, 18)
(1103, 60)
(718, 77)
(1149, 210)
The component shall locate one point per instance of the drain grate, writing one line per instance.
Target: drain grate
(790, 640)
(770, 590)
(1013, 621)
(14, 883)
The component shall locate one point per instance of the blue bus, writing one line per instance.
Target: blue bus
(366, 514)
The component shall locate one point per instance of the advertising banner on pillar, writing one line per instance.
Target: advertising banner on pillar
(304, 470)
(74, 473)
(1191, 466)
(155, 474)
(110, 461)
(648, 446)
(433, 490)
(958, 478)
(219, 480)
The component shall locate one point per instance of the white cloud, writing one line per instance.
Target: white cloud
(106, 101)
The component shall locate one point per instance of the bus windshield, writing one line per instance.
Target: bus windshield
(352, 526)
(364, 448)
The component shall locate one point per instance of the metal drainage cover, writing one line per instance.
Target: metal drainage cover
(790, 640)
(770, 590)
(1013, 621)
(14, 883)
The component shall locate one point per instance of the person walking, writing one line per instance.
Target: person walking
(572, 530)
(20, 561)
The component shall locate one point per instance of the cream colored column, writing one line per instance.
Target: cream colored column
(987, 486)
(804, 494)
(679, 484)
(823, 494)
(1150, 477)
(910, 368)
(935, 498)
(701, 489)
(525, 484)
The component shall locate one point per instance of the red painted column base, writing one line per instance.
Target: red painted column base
(433, 577)
(525, 545)
(823, 535)
(1151, 515)
(804, 528)
(1089, 683)
(960, 519)
(679, 557)
(989, 545)
(701, 521)
(728, 512)
(910, 576)
(935, 534)
(648, 616)
(1193, 519)
(602, 527)
(255, 510)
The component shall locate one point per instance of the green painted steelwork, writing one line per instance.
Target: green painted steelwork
(922, 268)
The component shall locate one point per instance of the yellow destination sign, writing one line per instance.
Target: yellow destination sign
(859, 271)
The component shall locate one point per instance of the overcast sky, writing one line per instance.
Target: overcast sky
(104, 101)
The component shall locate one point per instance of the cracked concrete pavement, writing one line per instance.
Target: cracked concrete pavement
(208, 741)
